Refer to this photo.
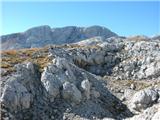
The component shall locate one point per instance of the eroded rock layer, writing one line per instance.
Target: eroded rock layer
(99, 79)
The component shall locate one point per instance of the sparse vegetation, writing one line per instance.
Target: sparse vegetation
(139, 84)
(38, 56)
(13, 57)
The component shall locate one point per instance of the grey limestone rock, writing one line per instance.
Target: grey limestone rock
(151, 113)
(44, 35)
(71, 93)
(15, 96)
(144, 98)
(85, 84)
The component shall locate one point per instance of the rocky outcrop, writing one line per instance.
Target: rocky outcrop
(63, 74)
(85, 85)
(113, 78)
(144, 98)
(19, 91)
(141, 60)
(16, 96)
(71, 93)
(44, 35)
(151, 113)
(98, 59)
(120, 57)
(31, 96)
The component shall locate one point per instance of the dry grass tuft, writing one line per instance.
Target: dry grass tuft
(10, 58)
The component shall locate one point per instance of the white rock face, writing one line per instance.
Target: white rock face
(90, 42)
(38, 35)
(21, 89)
(86, 87)
(141, 60)
(151, 113)
(143, 99)
(71, 93)
(51, 85)
(95, 59)
(117, 56)
(153, 69)
(74, 81)
(156, 115)
(44, 35)
(30, 66)
(128, 94)
(16, 96)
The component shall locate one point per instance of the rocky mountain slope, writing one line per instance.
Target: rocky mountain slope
(99, 78)
(44, 35)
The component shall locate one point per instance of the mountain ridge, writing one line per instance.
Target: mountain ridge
(43, 35)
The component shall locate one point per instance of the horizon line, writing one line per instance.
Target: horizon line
(156, 34)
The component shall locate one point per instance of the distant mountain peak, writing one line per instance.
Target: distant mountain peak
(40, 36)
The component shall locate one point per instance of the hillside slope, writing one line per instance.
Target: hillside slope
(97, 79)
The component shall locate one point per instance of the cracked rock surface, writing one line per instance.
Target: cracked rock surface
(98, 79)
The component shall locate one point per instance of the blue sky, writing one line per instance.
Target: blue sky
(124, 18)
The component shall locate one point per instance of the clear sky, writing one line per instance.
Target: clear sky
(124, 18)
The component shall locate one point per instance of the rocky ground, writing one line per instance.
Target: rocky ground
(96, 79)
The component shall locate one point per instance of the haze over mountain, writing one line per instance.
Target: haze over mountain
(44, 35)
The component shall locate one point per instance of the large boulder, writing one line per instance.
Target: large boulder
(144, 98)
(63, 80)
(21, 89)
(15, 96)
(151, 113)
(62, 74)
(153, 70)
(71, 93)
(51, 85)
(85, 84)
